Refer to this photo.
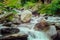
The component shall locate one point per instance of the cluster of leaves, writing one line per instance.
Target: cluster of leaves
(12, 3)
(24, 1)
(51, 8)
(18, 3)
(7, 6)
(29, 5)
(11, 17)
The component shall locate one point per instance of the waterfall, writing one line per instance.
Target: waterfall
(36, 20)
(33, 34)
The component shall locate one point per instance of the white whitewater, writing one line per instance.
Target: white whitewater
(32, 34)
(29, 29)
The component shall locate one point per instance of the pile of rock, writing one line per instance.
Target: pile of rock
(12, 33)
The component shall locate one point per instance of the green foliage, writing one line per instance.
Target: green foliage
(10, 18)
(34, 1)
(1, 4)
(13, 3)
(23, 2)
(43, 8)
(29, 5)
(18, 3)
(1, 1)
(51, 8)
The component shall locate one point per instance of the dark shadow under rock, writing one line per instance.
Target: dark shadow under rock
(58, 35)
(7, 24)
(7, 31)
(23, 37)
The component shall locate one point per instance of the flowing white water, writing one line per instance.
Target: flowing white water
(35, 20)
(29, 29)
(35, 35)
(32, 34)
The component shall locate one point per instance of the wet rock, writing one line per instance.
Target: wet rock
(58, 35)
(50, 32)
(7, 24)
(23, 37)
(26, 16)
(57, 25)
(42, 25)
(46, 17)
(6, 31)
(14, 25)
(16, 19)
(35, 13)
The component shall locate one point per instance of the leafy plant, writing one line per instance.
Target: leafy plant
(29, 5)
(51, 8)
(12, 3)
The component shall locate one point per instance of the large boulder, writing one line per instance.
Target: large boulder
(47, 28)
(26, 16)
(42, 25)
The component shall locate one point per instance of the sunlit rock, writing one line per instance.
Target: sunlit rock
(26, 16)
(42, 14)
(57, 25)
(16, 19)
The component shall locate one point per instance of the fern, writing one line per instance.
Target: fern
(51, 8)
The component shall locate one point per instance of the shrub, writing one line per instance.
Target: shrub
(29, 5)
(51, 8)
